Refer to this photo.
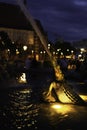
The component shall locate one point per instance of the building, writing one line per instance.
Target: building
(18, 28)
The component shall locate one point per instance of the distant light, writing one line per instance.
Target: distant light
(44, 52)
(17, 52)
(79, 55)
(58, 49)
(24, 48)
(41, 52)
(3, 43)
(82, 49)
(61, 53)
(53, 52)
(8, 50)
(49, 45)
(32, 51)
(67, 49)
(12, 42)
(72, 51)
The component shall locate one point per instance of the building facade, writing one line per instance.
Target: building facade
(19, 30)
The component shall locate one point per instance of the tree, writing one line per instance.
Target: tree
(65, 47)
(6, 43)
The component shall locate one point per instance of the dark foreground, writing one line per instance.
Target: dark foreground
(22, 107)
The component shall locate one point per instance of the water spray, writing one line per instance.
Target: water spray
(58, 73)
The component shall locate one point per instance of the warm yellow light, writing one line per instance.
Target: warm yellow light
(41, 52)
(56, 106)
(32, 51)
(82, 50)
(59, 93)
(84, 97)
(72, 51)
(58, 49)
(22, 78)
(49, 45)
(58, 73)
(62, 108)
(44, 52)
(37, 57)
(24, 48)
(63, 97)
(61, 53)
(25, 91)
(17, 52)
(8, 50)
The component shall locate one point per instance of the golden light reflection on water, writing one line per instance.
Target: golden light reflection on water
(63, 108)
(23, 111)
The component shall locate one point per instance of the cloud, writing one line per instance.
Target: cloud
(67, 18)
(61, 18)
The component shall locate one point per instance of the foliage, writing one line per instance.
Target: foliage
(64, 46)
(6, 43)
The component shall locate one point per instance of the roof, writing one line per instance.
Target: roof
(12, 17)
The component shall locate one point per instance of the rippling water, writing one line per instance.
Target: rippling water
(23, 107)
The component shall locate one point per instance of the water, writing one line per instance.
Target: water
(22, 107)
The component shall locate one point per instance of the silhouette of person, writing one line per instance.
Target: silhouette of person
(28, 62)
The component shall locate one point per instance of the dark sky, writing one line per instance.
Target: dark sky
(60, 18)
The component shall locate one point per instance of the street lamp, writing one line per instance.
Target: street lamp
(24, 48)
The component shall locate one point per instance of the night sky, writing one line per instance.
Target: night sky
(65, 19)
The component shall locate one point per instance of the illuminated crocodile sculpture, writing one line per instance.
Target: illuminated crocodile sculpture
(60, 90)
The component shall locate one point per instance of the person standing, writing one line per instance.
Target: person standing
(28, 62)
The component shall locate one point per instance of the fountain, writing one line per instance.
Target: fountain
(60, 90)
